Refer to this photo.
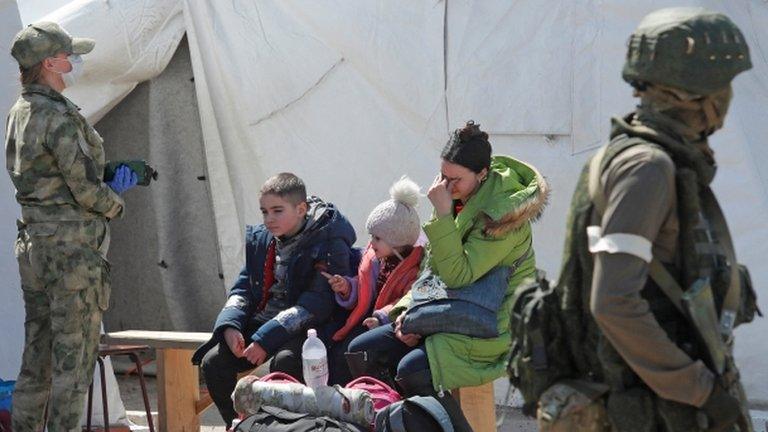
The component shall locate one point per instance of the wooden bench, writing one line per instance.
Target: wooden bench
(178, 388)
(178, 391)
(479, 407)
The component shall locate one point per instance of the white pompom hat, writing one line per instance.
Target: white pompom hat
(395, 221)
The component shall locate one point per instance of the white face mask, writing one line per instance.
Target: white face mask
(70, 78)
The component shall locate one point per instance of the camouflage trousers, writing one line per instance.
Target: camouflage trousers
(65, 283)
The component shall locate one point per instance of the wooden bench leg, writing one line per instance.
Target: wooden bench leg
(178, 391)
(479, 407)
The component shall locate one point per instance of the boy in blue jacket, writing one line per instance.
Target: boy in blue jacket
(280, 292)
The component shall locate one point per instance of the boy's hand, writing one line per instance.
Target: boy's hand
(371, 322)
(235, 341)
(410, 339)
(339, 284)
(440, 196)
(255, 354)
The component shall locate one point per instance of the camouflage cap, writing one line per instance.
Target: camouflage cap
(688, 48)
(46, 39)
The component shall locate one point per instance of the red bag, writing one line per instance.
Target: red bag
(382, 394)
(279, 377)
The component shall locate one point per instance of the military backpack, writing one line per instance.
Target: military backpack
(540, 355)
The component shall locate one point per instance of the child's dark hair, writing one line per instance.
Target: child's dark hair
(468, 147)
(287, 186)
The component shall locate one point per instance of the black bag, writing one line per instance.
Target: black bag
(539, 356)
(417, 413)
(272, 419)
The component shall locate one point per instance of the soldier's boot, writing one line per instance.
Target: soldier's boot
(722, 409)
(363, 363)
(420, 383)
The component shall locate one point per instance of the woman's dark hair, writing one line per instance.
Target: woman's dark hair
(468, 147)
(30, 75)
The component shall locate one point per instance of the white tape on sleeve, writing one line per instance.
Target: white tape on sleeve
(631, 244)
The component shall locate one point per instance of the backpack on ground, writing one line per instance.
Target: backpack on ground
(272, 419)
(417, 413)
(540, 355)
(347, 405)
(382, 394)
(279, 377)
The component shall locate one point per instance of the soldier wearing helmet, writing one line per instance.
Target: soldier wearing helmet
(649, 270)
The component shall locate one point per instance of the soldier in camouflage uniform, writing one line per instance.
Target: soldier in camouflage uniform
(645, 227)
(56, 162)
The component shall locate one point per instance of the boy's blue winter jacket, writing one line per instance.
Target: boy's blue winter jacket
(326, 243)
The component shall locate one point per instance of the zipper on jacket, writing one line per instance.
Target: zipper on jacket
(439, 371)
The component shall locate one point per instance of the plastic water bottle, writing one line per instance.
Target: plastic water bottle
(314, 359)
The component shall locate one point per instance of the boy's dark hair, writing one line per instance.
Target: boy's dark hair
(468, 147)
(287, 186)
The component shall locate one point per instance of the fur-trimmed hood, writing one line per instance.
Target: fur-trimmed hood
(514, 193)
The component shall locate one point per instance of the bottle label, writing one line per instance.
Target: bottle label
(316, 371)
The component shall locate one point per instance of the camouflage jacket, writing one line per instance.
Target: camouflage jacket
(56, 160)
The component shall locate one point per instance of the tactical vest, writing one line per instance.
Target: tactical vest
(630, 403)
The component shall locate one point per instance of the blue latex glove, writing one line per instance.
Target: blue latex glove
(124, 179)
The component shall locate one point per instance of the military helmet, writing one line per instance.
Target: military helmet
(688, 48)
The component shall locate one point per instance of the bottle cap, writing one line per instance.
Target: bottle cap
(311, 333)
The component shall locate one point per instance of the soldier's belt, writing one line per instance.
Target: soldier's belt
(63, 213)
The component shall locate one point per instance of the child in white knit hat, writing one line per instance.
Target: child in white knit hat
(388, 267)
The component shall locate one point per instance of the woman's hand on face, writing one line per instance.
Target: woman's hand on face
(410, 339)
(440, 196)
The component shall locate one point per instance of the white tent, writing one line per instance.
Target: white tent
(352, 94)
(11, 305)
